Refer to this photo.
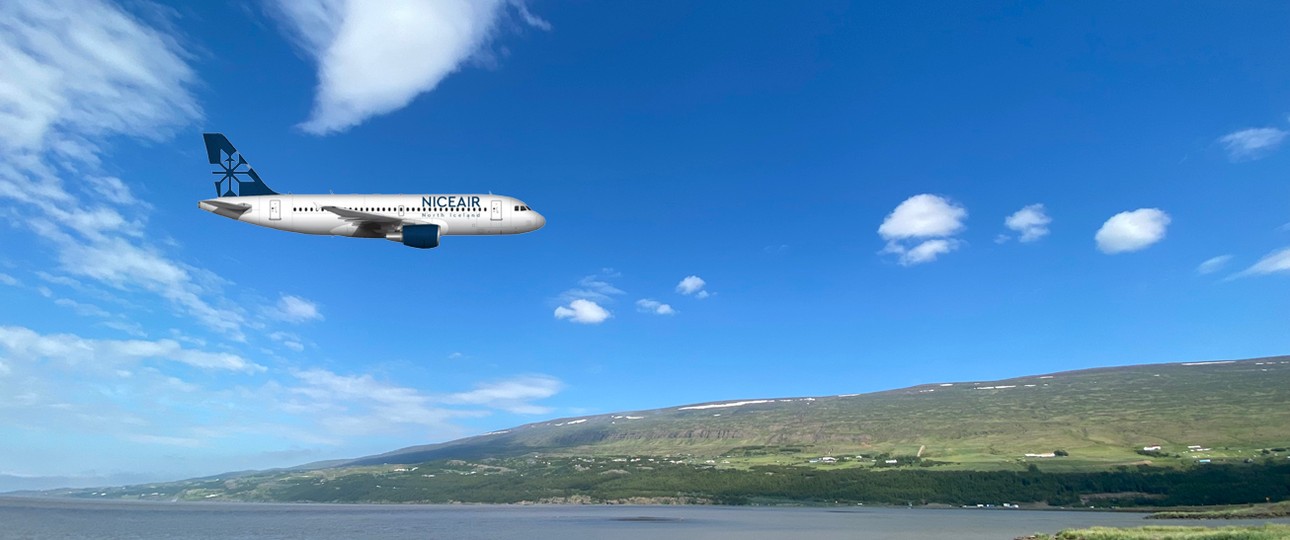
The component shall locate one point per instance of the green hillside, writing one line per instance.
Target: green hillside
(1101, 417)
(1223, 429)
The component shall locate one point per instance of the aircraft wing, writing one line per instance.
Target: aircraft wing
(232, 207)
(364, 218)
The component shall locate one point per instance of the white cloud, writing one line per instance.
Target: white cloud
(530, 18)
(931, 218)
(594, 287)
(20, 343)
(1251, 144)
(288, 340)
(582, 304)
(80, 68)
(692, 285)
(376, 56)
(126, 265)
(297, 309)
(654, 306)
(1213, 264)
(1277, 261)
(76, 73)
(583, 311)
(359, 404)
(923, 216)
(1132, 231)
(352, 405)
(1031, 222)
(927, 251)
(512, 395)
(83, 309)
(6, 279)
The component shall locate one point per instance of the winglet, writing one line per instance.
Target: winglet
(236, 177)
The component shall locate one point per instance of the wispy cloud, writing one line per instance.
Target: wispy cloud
(375, 56)
(296, 309)
(921, 228)
(1253, 143)
(6, 279)
(288, 340)
(350, 405)
(1272, 263)
(75, 69)
(1132, 231)
(596, 287)
(514, 395)
(24, 344)
(1213, 264)
(78, 71)
(648, 305)
(1031, 223)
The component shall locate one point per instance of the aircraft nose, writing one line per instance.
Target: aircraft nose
(539, 221)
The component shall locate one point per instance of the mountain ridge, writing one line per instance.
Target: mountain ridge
(596, 434)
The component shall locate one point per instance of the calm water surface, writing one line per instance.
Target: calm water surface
(120, 520)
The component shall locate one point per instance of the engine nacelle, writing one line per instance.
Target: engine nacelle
(417, 236)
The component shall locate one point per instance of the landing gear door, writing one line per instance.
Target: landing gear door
(496, 207)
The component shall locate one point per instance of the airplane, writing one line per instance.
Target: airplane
(417, 221)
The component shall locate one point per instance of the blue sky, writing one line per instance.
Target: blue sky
(743, 200)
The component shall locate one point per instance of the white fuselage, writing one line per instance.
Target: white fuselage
(468, 214)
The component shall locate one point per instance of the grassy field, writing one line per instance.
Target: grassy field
(1254, 511)
(1265, 532)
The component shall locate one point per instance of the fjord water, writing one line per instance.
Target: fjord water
(120, 520)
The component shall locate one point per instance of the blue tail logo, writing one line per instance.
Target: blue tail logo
(237, 178)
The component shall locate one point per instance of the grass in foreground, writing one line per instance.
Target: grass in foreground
(1257, 511)
(1265, 532)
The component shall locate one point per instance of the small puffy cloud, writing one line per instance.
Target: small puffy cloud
(921, 228)
(583, 311)
(1213, 265)
(376, 56)
(297, 309)
(692, 286)
(1251, 144)
(923, 216)
(1275, 262)
(654, 306)
(1031, 222)
(1132, 231)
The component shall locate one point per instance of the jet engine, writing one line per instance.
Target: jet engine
(417, 236)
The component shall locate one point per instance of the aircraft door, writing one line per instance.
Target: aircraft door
(496, 214)
(400, 210)
(275, 210)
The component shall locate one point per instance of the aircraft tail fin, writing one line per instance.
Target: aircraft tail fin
(236, 177)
